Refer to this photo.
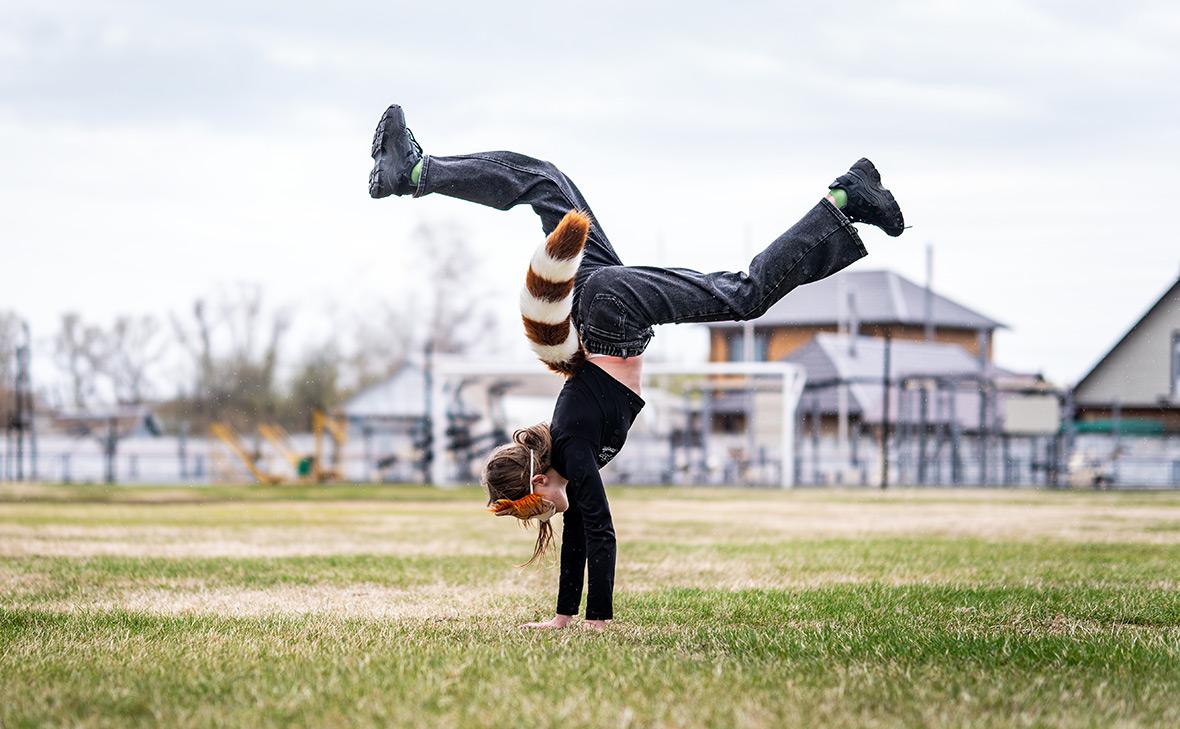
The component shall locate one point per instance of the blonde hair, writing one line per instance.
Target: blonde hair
(506, 477)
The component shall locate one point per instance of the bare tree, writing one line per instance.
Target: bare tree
(315, 385)
(446, 309)
(78, 351)
(234, 346)
(233, 341)
(382, 339)
(10, 334)
(454, 318)
(131, 348)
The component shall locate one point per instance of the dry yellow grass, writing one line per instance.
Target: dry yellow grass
(463, 529)
(740, 608)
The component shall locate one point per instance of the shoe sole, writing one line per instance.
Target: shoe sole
(867, 171)
(393, 114)
(393, 120)
(375, 190)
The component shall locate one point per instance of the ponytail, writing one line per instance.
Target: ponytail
(508, 478)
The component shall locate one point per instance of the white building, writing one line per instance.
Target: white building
(1139, 377)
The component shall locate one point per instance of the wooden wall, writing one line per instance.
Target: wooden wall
(785, 340)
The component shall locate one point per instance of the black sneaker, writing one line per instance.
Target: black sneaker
(394, 153)
(868, 201)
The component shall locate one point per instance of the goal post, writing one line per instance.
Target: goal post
(449, 371)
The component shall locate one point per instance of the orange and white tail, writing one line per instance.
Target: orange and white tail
(546, 301)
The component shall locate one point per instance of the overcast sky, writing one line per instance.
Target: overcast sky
(152, 151)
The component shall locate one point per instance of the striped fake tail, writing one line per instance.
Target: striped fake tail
(546, 301)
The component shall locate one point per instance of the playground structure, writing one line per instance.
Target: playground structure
(666, 386)
(305, 468)
(716, 424)
(466, 448)
(227, 435)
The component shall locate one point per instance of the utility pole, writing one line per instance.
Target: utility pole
(1066, 438)
(428, 444)
(110, 448)
(23, 417)
(843, 326)
(887, 385)
(749, 355)
(853, 324)
(1116, 429)
(18, 417)
(929, 313)
(30, 403)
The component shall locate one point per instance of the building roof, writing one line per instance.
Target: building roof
(830, 357)
(881, 297)
(129, 420)
(1088, 383)
(401, 395)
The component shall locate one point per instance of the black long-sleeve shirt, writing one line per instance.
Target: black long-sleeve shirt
(590, 422)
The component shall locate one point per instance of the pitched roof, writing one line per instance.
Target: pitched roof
(882, 297)
(829, 357)
(401, 395)
(1138, 323)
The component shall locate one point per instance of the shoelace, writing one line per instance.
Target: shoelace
(413, 141)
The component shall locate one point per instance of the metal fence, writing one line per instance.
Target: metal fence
(1093, 461)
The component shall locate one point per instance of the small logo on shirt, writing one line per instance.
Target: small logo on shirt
(606, 454)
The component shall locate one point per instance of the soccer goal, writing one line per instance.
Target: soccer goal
(722, 423)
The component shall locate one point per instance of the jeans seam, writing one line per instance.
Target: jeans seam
(845, 225)
(587, 333)
(682, 319)
(590, 315)
(786, 273)
(632, 348)
(582, 287)
(419, 189)
(539, 173)
(846, 222)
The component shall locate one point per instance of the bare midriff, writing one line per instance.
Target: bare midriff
(626, 370)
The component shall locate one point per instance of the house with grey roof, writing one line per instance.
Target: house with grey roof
(1140, 375)
(949, 373)
(950, 416)
(399, 399)
(876, 303)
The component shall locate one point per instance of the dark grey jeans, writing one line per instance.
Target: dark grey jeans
(616, 306)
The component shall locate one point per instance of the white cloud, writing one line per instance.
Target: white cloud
(151, 151)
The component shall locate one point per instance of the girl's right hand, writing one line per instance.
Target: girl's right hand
(555, 623)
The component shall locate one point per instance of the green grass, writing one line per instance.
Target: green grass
(397, 607)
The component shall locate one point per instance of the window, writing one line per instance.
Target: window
(1176, 366)
(736, 345)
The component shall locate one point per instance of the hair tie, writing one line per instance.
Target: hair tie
(529, 506)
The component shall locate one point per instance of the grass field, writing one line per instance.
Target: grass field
(398, 606)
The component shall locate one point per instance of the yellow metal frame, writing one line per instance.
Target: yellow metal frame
(322, 424)
(337, 428)
(227, 435)
(278, 437)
